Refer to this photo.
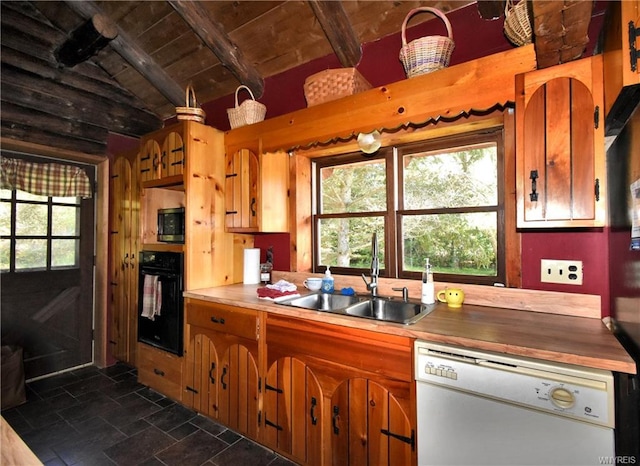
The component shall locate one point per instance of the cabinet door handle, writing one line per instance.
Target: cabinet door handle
(158, 372)
(224, 372)
(215, 320)
(156, 162)
(253, 207)
(126, 260)
(314, 418)
(334, 420)
(213, 367)
(164, 156)
(597, 189)
(533, 176)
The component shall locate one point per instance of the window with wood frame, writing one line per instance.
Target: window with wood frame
(441, 199)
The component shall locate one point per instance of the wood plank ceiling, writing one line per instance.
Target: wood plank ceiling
(139, 78)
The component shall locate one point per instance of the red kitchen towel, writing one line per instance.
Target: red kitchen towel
(271, 293)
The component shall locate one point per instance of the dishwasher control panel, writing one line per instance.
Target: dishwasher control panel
(561, 389)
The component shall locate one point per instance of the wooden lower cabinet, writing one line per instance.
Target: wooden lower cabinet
(337, 395)
(221, 367)
(160, 370)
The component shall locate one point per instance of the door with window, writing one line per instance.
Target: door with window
(46, 259)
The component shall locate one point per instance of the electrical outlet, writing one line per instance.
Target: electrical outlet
(559, 271)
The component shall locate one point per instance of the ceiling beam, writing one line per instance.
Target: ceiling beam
(561, 30)
(337, 27)
(214, 36)
(133, 54)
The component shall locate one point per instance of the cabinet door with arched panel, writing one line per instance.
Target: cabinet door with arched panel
(293, 410)
(560, 163)
(369, 425)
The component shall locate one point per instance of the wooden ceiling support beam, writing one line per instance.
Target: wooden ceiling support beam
(561, 30)
(133, 54)
(214, 36)
(86, 40)
(337, 27)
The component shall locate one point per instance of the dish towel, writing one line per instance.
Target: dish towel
(151, 297)
(278, 291)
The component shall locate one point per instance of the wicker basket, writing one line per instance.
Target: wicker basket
(517, 23)
(190, 111)
(333, 84)
(247, 113)
(429, 53)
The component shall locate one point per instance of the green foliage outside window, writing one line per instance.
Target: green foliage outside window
(447, 210)
(41, 231)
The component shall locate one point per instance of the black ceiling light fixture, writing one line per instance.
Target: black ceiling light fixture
(86, 40)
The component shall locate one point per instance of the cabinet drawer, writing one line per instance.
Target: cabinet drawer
(222, 318)
(160, 370)
(376, 353)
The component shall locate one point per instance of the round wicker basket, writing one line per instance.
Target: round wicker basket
(429, 53)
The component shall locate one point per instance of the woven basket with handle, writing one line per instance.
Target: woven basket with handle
(517, 23)
(191, 110)
(429, 53)
(247, 113)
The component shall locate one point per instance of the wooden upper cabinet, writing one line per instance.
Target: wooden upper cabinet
(163, 154)
(149, 162)
(257, 192)
(560, 146)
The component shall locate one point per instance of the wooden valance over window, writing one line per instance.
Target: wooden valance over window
(44, 179)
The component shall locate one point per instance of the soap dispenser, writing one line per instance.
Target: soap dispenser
(428, 290)
(327, 282)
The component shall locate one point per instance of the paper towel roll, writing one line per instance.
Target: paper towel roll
(252, 266)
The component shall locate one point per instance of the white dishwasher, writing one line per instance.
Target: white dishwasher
(477, 407)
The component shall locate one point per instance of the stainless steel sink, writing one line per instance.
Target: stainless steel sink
(377, 308)
(390, 310)
(322, 301)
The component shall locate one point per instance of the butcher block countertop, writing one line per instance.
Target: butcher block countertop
(561, 338)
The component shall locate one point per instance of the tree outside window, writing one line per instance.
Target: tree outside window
(441, 200)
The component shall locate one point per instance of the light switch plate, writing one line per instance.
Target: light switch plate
(561, 271)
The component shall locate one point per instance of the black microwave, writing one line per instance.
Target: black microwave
(171, 225)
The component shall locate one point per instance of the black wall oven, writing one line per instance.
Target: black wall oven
(160, 302)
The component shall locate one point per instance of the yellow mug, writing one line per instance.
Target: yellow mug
(452, 296)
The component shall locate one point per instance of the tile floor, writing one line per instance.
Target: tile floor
(99, 417)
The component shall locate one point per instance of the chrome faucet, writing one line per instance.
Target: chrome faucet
(372, 285)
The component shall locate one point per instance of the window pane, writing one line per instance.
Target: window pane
(64, 252)
(455, 178)
(25, 196)
(454, 243)
(64, 221)
(5, 244)
(346, 242)
(5, 194)
(31, 254)
(31, 220)
(66, 200)
(5, 218)
(355, 187)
